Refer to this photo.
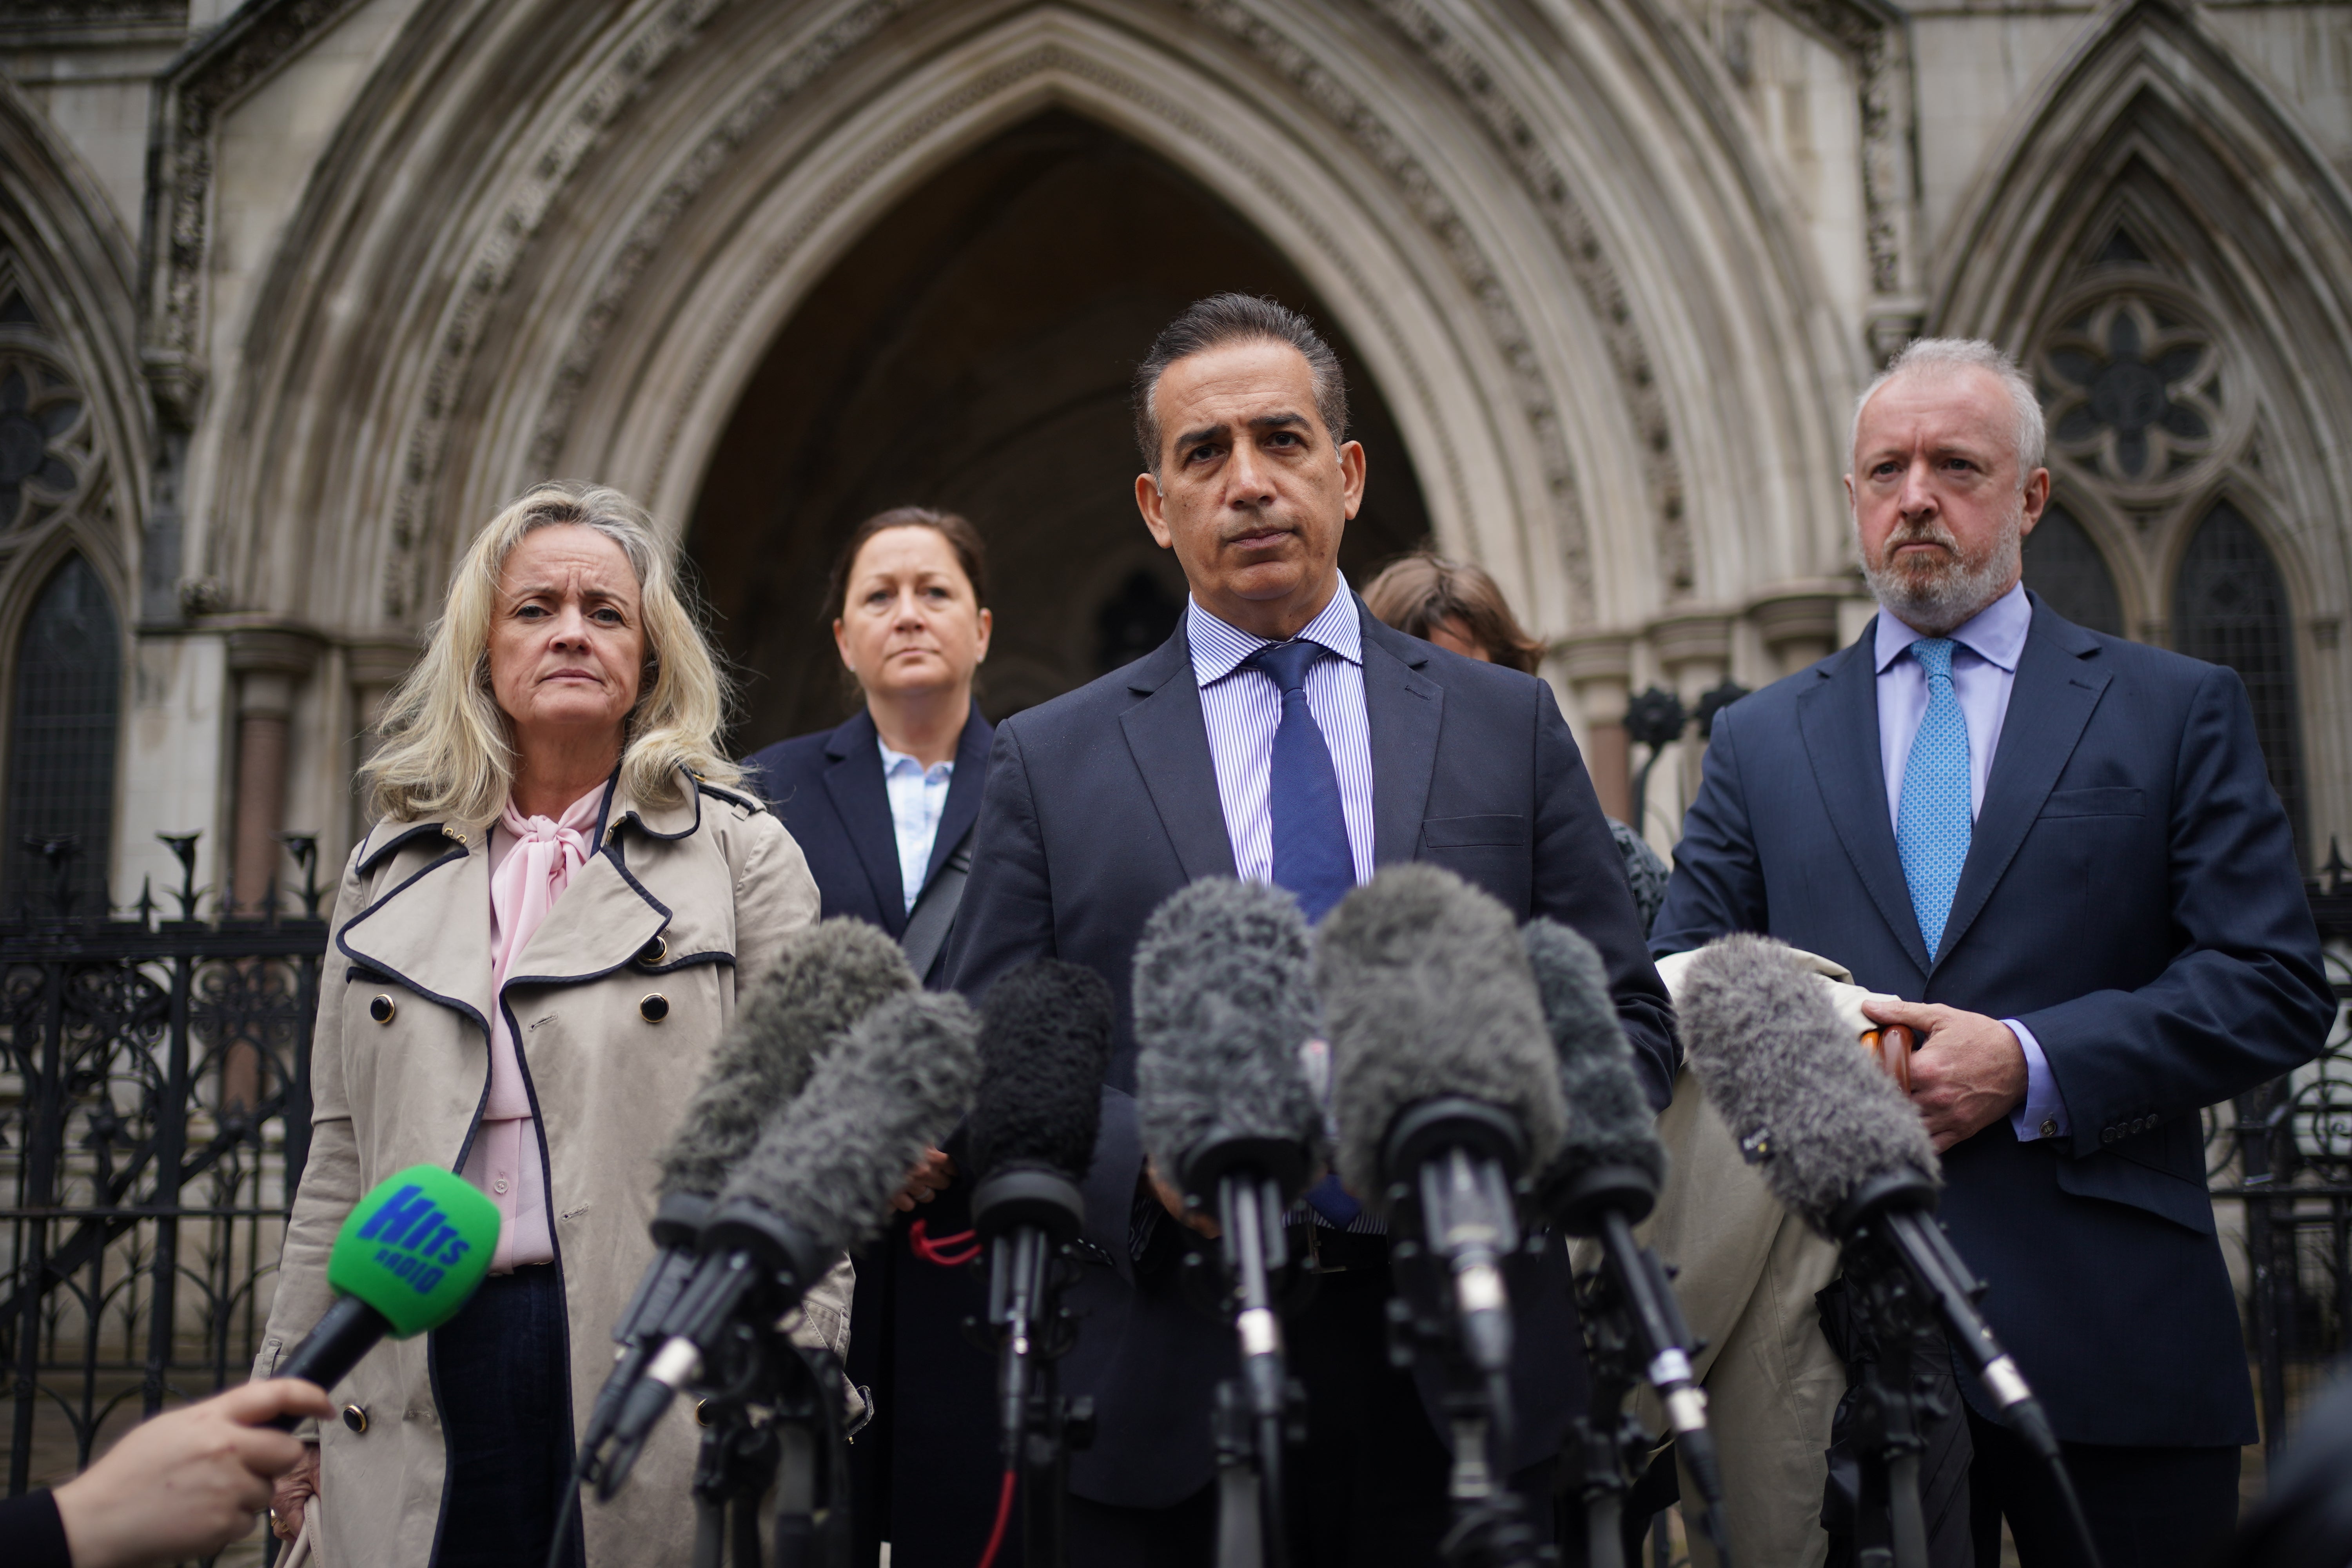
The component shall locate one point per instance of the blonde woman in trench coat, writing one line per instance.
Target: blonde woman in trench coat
(566, 708)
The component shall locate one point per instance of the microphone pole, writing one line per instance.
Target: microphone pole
(1027, 1216)
(1256, 1415)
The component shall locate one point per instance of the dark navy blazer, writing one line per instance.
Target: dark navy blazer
(2131, 895)
(828, 790)
(1104, 802)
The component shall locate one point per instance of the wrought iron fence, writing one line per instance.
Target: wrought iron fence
(2279, 1164)
(155, 1116)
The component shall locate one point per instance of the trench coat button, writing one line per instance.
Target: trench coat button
(653, 951)
(653, 1008)
(355, 1417)
(383, 1008)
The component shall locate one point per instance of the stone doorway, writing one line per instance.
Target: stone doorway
(972, 352)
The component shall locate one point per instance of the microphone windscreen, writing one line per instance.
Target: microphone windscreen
(1224, 997)
(1045, 1043)
(1427, 991)
(1786, 1080)
(1609, 1118)
(830, 1160)
(831, 974)
(415, 1249)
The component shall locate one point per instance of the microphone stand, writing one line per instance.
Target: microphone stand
(773, 1418)
(1634, 1324)
(1450, 1163)
(1909, 1279)
(1028, 1215)
(1261, 1411)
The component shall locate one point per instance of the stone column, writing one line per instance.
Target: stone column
(375, 667)
(1596, 667)
(268, 662)
(1694, 648)
(1798, 628)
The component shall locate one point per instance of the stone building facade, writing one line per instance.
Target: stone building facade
(294, 294)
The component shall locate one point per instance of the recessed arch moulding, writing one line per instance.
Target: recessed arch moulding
(1624, 405)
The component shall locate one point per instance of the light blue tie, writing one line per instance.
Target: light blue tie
(1933, 824)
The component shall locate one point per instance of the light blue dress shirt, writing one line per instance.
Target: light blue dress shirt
(1984, 671)
(1243, 709)
(918, 797)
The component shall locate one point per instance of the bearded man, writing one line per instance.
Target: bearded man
(2061, 851)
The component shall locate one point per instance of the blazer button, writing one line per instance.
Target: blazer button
(355, 1417)
(382, 1009)
(653, 952)
(653, 1008)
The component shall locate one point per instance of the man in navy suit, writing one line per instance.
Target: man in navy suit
(2060, 851)
(1282, 733)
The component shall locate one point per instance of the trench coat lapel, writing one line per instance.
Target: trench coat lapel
(1404, 710)
(1169, 737)
(606, 915)
(862, 798)
(431, 930)
(1839, 718)
(2050, 702)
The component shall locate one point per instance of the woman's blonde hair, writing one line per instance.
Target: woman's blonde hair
(447, 749)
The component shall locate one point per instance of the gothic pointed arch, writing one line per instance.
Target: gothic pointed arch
(2172, 259)
(535, 247)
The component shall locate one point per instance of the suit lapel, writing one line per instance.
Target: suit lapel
(1169, 738)
(1404, 710)
(2050, 704)
(1839, 718)
(432, 930)
(965, 787)
(863, 801)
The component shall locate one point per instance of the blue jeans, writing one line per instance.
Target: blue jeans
(502, 1378)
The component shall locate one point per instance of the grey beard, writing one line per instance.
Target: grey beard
(1939, 599)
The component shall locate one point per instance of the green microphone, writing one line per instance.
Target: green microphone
(410, 1255)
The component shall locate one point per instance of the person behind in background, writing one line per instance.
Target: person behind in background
(183, 1485)
(1282, 734)
(1456, 606)
(2061, 852)
(883, 804)
(537, 947)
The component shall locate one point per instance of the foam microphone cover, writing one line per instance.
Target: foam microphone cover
(831, 1159)
(1787, 1078)
(1609, 1118)
(1427, 991)
(831, 975)
(1224, 996)
(1045, 1043)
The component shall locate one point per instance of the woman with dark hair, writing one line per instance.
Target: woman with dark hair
(883, 804)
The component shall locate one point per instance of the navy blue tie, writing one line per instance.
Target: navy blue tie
(1311, 857)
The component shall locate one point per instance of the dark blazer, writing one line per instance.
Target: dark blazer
(1104, 802)
(828, 790)
(2130, 895)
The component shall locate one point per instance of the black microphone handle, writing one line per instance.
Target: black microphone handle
(1019, 1262)
(1927, 1253)
(1665, 1340)
(1249, 1214)
(345, 1332)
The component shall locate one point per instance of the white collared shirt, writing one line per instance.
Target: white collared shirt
(919, 797)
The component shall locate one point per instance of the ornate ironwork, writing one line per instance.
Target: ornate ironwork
(2279, 1163)
(154, 1118)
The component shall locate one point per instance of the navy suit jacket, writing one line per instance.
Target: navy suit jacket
(1104, 802)
(828, 790)
(2131, 895)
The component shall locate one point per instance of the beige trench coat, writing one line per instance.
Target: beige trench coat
(691, 902)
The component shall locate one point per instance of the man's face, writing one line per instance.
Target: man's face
(1253, 494)
(1939, 506)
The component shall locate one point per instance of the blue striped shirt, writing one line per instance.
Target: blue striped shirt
(1243, 709)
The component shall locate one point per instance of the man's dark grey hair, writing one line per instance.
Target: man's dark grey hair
(1222, 319)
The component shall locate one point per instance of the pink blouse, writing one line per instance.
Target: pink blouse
(532, 862)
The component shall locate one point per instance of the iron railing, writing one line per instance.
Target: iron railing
(155, 1116)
